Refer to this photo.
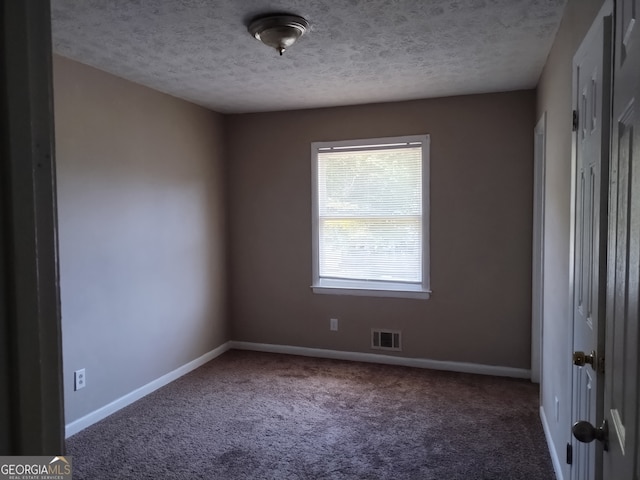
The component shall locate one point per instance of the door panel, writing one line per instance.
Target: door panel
(620, 346)
(627, 15)
(622, 371)
(592, 84)
(621, 406)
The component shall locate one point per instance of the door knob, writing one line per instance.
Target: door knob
(581, 359)
(587, 433)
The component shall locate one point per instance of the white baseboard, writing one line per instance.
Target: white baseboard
(103, 412)
(553, 451)
(386, 359)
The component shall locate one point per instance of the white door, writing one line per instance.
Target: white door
(592, 74)
(621, 404)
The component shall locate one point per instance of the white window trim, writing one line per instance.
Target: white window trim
(333, 286)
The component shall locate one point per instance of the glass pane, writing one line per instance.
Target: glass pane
(371, 183)
(371, 249)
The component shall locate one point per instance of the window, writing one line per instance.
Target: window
(371, 217)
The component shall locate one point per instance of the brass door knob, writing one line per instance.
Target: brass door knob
(581, 359)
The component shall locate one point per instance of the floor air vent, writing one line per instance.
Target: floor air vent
(386, 339)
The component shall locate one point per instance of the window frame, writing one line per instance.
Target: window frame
(372, 288)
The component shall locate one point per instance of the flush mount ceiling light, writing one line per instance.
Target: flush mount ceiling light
(278, 31)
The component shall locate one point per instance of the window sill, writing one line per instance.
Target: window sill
(365, 289)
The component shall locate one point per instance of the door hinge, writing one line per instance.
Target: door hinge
(574, 121)
(569, 454)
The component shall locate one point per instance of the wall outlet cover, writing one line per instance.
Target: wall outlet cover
(79, 379)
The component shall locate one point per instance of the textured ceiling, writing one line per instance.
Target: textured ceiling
(358, 51)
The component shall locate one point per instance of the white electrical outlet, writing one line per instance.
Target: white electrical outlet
(333, 324)
(79, 379)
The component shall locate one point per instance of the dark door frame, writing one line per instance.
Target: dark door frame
(31, 397)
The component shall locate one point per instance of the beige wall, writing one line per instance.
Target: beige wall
(142, 228)
(481, 217)
(554, 97)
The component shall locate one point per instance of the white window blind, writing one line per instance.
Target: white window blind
(370, 217)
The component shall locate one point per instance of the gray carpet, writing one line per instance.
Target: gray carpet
(249, 415)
